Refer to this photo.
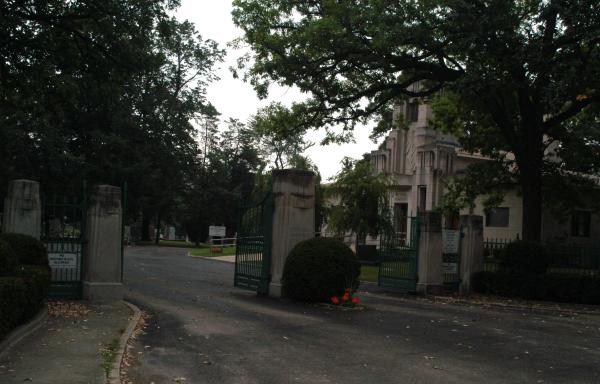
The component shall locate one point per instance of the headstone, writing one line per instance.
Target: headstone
(293, 218)
(23, 208)
(102, 274)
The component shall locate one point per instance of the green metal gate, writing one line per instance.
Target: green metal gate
(253, 246)
(63, 233)
(398, 259)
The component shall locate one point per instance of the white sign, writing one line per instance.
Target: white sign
(62, 260)
(450, 268)
(450, 240)
(214, 230)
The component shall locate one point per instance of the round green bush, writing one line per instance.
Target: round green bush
(30, 250)
(37, 280)
(319, 268)
(12, 303)
(524, 258)
(9, 259)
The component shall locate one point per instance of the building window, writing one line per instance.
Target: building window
(422, 198)
(580, 223)
(412, 112)
(497, 217)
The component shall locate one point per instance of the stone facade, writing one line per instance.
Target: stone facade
(420, 160)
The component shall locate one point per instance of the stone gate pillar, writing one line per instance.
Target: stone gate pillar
(471, 255)
(430, 254)
(23, 208)
(102, 274)
(293, 218)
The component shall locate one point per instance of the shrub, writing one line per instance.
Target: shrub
(524, 258)
(319, 268)
(8, 259)
(37, 281)
(551, 286)
(12, 297)
(30, 250)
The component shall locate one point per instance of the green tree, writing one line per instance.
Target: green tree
(362, 202)
(524, 69)
(281, 134)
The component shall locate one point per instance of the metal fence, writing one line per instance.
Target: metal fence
(564, 258)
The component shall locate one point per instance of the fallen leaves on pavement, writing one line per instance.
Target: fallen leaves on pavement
(67, 309)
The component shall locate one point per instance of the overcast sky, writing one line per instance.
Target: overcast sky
(234, 98)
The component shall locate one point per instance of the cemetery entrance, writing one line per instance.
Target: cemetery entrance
(398, 258)
(253, 249)
(63, 233)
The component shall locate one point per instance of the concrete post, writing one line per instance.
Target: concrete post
(23, 208)
(430, 254)
(471, 255)
(293, 218)
(102, 274)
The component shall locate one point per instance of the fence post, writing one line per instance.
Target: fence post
(102, 274)
(471, 257)
(293, 218)
(23, 208)
(430, 261)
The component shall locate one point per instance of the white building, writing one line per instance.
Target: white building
(420, 160)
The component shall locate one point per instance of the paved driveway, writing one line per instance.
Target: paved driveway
(203, 330)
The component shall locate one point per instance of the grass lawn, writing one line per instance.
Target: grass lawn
(369, 273)
(168, 243)
(205, 251)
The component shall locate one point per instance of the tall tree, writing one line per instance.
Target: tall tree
(281, 134)
(524, 68)
(361, 200)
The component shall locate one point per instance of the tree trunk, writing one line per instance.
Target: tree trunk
(145, 227)
(530, 167)
(157, 237)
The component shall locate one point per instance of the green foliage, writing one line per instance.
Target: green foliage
(12, 297)
(516, 75)
(361, 197)
(319, 268)
(554, 287)
(524, 258)
(9, 259)
(280, 134)
(37, 281)
(103, 90)
(224, 177)
(30, 250)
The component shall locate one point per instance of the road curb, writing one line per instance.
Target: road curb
(23, 331)
(115, 374)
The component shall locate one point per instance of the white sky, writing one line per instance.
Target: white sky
(234, 98)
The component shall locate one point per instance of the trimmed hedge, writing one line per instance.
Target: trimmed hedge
(524, 258)
(37, 281)
(319, 268)
(31, 251)
(22, 293)
(551, 286)
(9, 260)
(13, 293)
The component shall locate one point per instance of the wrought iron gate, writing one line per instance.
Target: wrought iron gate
(63, 233)
(253, 246)
(398, 259)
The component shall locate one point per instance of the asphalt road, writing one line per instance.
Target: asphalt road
(203, 330)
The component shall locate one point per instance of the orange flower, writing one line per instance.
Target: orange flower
(346, 296)
(356, 300)
(335, 300)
